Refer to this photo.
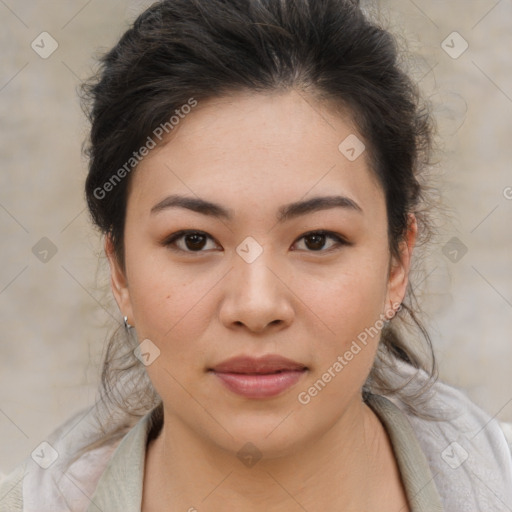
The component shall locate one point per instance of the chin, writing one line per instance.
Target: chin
(272, 434)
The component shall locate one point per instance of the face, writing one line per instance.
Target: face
(283, 252)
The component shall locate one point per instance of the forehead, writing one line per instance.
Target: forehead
(259, 150)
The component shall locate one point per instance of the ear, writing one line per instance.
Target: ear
(399, 269)
(118, 281)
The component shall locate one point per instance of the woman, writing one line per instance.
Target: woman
(256, 167)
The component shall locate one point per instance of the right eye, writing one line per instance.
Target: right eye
(188, 241)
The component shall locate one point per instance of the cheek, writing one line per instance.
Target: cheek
(171, 305)
(352, 308)
(171, 321)
(347, 298)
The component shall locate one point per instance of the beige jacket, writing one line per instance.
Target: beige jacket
(460, 465)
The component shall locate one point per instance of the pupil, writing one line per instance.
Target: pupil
(195, 241)
(318, 241)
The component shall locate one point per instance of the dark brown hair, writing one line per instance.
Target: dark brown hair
(182, 49)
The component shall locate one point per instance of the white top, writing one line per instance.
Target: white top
(462, 464)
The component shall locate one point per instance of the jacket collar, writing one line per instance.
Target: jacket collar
(120, 486)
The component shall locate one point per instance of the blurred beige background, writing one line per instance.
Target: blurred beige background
(57, 314)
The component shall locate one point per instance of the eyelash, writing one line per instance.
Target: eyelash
(170, 241)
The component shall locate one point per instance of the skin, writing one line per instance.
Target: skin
(252, 154)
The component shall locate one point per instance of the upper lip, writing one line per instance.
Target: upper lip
(261, 365)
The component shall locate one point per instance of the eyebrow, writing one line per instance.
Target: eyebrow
(285, 213)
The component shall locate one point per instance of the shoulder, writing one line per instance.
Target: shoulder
(57, 480)
(466, 447)
(507, 431)
(11, 490)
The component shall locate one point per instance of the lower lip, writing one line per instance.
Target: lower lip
(260, 386)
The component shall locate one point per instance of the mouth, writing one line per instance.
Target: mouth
(263, 377)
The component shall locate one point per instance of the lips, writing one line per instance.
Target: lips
(258, 366)
(262, 377)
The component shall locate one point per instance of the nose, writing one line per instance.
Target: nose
(256, 297)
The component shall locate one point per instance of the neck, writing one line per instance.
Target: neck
(188, 472)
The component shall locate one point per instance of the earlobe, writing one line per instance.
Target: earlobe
(399, 271)
(118, 281)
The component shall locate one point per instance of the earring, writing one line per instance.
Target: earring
(126, 324)
(391, 313)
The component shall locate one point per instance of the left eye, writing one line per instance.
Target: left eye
(315, 240)
(197, 241)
